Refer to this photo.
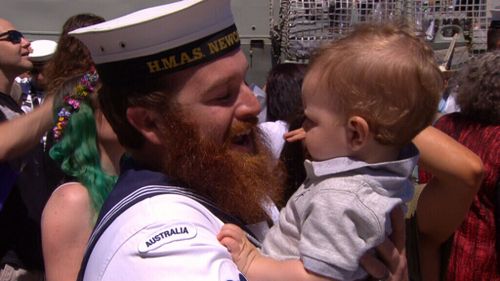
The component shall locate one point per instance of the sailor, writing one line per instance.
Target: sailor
(174, 91)
(33, 84)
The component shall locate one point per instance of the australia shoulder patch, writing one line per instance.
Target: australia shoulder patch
(165, 235)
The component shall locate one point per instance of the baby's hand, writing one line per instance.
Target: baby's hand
(242, 251)
(295, 135)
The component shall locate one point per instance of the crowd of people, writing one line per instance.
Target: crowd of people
(149, 157)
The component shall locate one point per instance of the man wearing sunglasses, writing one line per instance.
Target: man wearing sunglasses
(19, 171)
(14, 60)
(14, 51)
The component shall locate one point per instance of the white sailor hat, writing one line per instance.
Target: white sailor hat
(162, 39)
(42, 50)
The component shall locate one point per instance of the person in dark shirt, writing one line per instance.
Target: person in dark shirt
(27, 173)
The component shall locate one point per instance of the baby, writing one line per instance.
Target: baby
(365, 97)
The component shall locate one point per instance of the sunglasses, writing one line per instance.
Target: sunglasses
(13, 36)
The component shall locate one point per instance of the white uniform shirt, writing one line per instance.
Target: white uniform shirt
(165, 237)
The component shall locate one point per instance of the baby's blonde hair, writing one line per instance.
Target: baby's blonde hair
(384, 74)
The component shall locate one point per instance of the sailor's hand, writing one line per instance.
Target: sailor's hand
(391, 263)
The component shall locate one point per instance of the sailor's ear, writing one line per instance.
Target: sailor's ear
(145, 121)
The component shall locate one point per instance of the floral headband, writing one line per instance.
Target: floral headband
(71, 102)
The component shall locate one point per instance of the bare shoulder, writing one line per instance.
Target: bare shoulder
(66, 226)
(71, 194)
(68, 202)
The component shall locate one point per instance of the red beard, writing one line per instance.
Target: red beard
(237, 182)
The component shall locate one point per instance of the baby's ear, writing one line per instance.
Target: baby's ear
(358, 133)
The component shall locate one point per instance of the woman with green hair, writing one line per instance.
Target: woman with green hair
(87, 150)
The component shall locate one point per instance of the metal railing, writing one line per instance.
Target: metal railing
(302, 25)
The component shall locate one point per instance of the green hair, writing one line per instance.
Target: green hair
(77, 152)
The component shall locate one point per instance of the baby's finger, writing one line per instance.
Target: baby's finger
(295, 135)
(230, 244)
(230, 230)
